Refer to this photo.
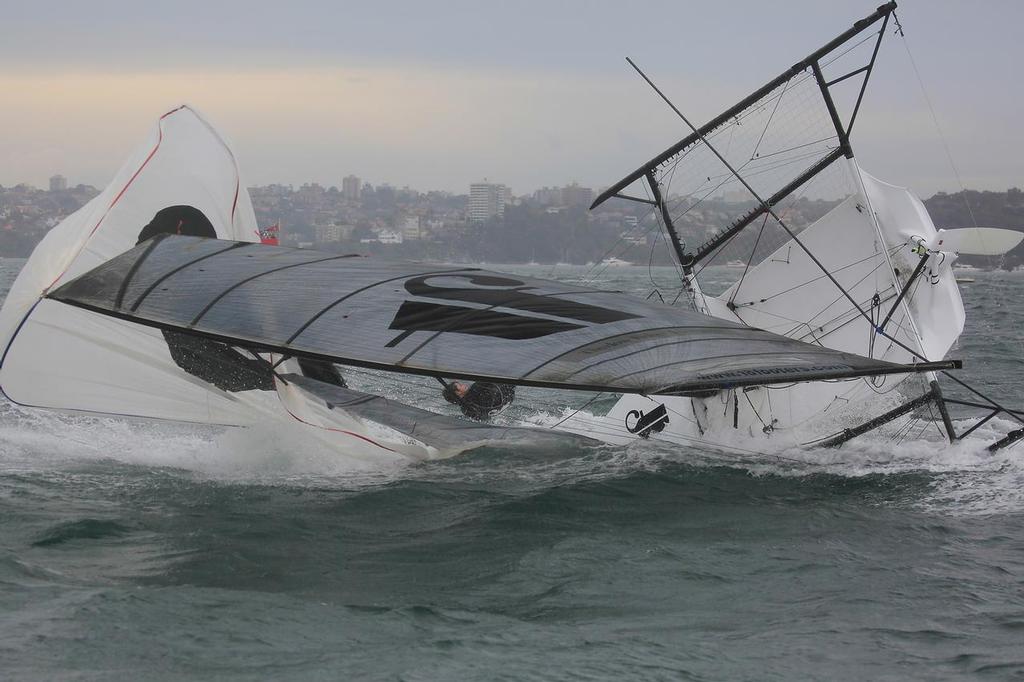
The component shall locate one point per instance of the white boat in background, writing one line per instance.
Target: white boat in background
(614, 262)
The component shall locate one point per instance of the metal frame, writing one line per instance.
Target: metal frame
(880, 420)
(903, 292)
(812, 62)
(882, 13)
(685, 260)
(935, 396)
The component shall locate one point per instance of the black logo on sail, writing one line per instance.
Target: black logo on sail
(494, 292)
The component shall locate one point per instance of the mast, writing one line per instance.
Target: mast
(685, 261)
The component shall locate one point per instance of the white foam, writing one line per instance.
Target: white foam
(967, 479)
(38, 439)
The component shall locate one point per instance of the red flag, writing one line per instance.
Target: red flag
(269, 235)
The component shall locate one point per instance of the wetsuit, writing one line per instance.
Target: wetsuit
(484, 398)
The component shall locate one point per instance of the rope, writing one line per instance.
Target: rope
(746, 266)
(577, 411)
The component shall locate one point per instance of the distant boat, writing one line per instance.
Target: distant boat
(735, 264)
(965, 280)
(614, 262)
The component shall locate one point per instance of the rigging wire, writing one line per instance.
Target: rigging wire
(811, 281)
(768, 123)
(935, 120)
(596, 270)
(578, 410)
(746, 266)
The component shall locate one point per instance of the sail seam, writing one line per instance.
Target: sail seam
(613, 337)
(121, 290)
(650, 348)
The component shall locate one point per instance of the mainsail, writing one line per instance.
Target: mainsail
(443, 321)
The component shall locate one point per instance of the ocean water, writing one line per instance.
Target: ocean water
(133, 551)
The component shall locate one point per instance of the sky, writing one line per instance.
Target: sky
(436, 95)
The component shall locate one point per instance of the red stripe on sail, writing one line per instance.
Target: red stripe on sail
(152, 153)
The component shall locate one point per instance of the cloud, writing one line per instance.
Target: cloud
(439, 95)
(429, 128)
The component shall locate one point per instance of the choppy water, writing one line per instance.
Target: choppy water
(133, 551)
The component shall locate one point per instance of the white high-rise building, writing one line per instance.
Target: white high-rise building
(486, 200)
(411, 227)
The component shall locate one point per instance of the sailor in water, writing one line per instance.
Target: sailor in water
(218, 363)
(480, 400)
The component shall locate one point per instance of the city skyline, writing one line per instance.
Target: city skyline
(352, 185)
(441, 97)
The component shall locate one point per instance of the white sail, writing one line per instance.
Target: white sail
(934, 303)
(56, 357)
(976, 241)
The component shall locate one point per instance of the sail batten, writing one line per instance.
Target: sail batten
(470, 323)
(156, 283)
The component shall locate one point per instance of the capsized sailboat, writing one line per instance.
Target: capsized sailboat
(156, 300)
(828, 255)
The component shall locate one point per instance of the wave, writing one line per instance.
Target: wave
(962, 478)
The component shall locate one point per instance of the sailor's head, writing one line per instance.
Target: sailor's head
(455, 391)
(182, 219)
